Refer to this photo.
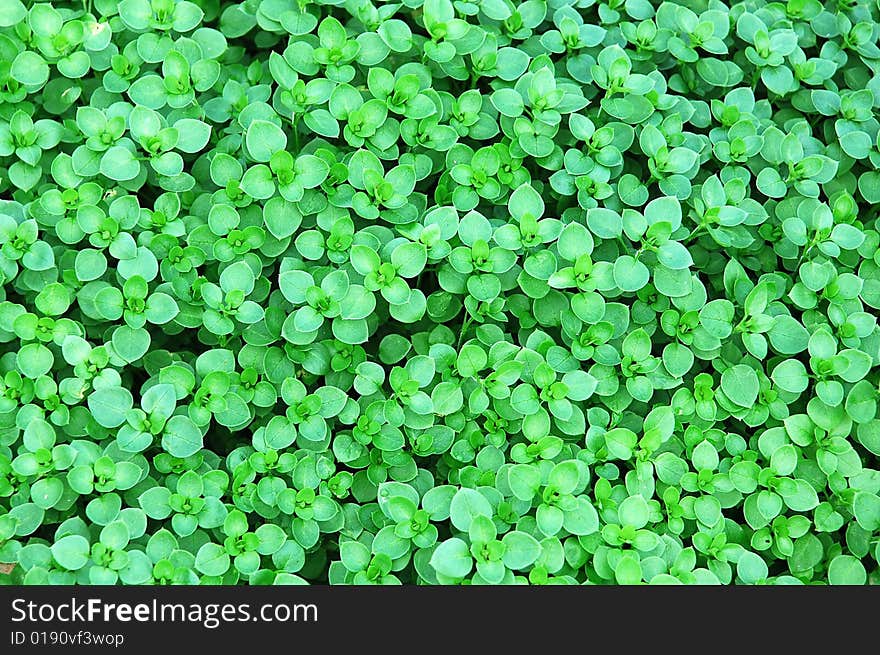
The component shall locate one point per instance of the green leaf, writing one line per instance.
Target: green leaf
(788, 336)
(263, 139)
(108, 406)
(791, 375)
(34, 360)
(630, 274)
(740, 385)
(193, 134)
(866, 508)
(71, 552)
(628, 571)
(452, 558)
(120, 164)
(521, 550)
(526, 202)
(181, 437)
(212, 559)
(409, 259)
(633, 511)
(29, 68)
(467, 504)
(155, 502)
(131, 344)
(846, 570)
(11, 12)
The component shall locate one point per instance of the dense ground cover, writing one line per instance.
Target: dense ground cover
(439, 292)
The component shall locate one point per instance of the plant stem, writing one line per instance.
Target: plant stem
(464, 327)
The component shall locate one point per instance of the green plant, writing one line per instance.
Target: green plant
(434, 292)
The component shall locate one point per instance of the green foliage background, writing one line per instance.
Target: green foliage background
(490, 292)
